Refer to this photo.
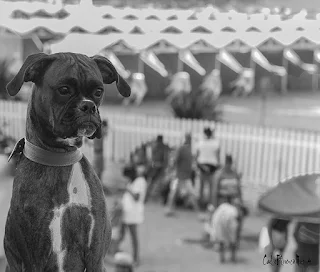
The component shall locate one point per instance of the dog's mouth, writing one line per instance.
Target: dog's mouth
(86, 129)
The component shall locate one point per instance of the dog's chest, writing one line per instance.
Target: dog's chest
(78, 188)
(79, 195)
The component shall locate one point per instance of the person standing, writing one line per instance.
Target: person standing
(183, 165)
(133, 209)
(278, 236)
(307, 252)
(228, 183)
(159, 154)
(228, 186)
(208, 160)
(98, 147)
(7, 173)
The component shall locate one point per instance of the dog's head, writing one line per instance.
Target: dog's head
(68, 90)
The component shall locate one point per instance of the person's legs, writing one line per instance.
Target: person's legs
(211, 187)
(156, 173)
(172, 196)
(222, 252)
(233, 249)
(151, 180)
(239, 229)
(122, 233)
(192, 195)
(275, 267)
(201, 189)
(133, 228)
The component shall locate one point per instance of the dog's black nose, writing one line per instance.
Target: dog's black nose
(88, 106)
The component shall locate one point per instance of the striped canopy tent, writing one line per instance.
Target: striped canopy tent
(302, 59)
(272, 50)
(33, 10)
(75, 21)
(180, 40)
(173, 52)
(212, 15)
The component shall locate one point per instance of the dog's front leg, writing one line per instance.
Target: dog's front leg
(14, 264)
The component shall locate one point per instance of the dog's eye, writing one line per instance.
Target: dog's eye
(98, 92)
(64, 91)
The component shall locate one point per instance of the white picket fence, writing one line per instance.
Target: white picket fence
(265, 156)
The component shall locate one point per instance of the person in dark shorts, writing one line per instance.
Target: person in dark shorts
(307, 251)
(183, 179)
(278, 235)
(208, 161)
(158, 164)
(228, 183)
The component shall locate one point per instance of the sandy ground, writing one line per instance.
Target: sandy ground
(163, 249)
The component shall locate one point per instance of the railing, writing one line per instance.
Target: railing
(264, 155)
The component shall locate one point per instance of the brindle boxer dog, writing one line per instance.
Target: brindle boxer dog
(58, 219)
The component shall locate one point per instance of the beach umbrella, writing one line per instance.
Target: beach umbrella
(297, 198)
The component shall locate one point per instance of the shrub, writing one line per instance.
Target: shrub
(196, 105)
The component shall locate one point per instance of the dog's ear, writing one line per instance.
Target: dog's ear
(110, 74)
(31, 69)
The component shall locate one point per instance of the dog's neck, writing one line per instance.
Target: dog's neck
(40, 135)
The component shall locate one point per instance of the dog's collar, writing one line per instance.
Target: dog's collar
(45, 157)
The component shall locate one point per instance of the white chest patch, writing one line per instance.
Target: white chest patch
(79, 195)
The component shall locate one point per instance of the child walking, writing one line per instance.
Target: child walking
(133, 209)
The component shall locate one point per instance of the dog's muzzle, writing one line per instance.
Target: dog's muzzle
(89, 122)
(88, 107)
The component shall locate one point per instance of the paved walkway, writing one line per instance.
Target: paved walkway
(162, 249)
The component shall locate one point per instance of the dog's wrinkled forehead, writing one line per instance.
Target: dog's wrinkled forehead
(73, 67)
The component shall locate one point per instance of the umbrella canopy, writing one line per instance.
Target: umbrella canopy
(297, 198)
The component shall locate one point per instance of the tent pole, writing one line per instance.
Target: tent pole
(140, 65)
(179, 64)
(217, 63)
(315, 76)
(284, 79)
(253, 67)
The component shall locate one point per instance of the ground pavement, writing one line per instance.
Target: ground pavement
(162, 239)
(163, 249)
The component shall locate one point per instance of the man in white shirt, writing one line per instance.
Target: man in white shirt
(208, 160)
(133, 209)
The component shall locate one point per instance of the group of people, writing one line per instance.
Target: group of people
(223, 182)
(306, 236)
